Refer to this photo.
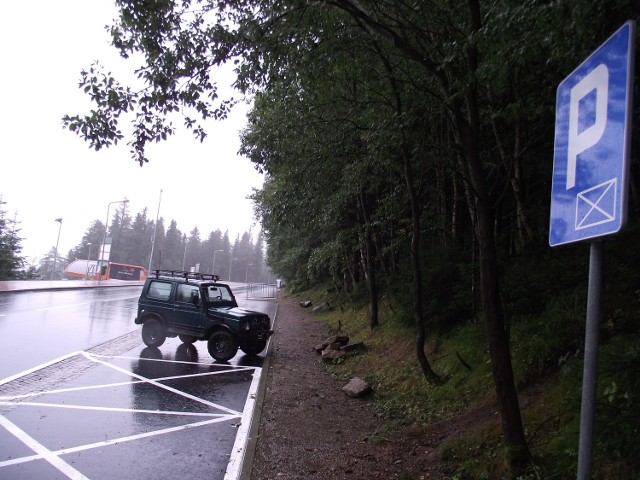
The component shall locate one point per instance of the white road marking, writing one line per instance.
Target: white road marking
(41, 450)
(53, 457)
(115, 441)
(58, 307)
(119, 384)
(39, 367)
(117, 409)
(161, 385)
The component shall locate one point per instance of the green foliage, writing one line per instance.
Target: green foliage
(12, 264)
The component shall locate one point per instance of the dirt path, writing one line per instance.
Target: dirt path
(310, 429)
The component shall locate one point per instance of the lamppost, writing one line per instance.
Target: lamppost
(231, 260)
(184, 257)
(104, 239)
(213, 265)
(55, 257)
(155, 228)
(88, 259)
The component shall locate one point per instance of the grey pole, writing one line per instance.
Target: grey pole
(155, 228)
(589, 376)
(213, 265)
(55, 256)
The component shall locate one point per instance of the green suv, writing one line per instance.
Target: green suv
(194, 306)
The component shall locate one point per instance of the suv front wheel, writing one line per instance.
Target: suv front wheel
(153, 334)
(253, 346)
(222, 345)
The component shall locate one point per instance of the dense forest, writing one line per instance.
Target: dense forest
(406, 146)
(132, 239)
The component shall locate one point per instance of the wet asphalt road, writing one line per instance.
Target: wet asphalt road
(82, 397)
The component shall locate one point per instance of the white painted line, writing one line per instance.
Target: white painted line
(236, 459)
(117, 384)
(226, 367)
(39, 367)
(115, 409)
(58, 307)
(163, 386)
(115, 441)
(41, 450)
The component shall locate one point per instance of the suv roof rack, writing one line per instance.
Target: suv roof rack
(187, 275)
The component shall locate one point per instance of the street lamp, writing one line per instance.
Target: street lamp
(246, 275)
(231, 260)
(184, 257)
(213, 265)
(88, 259)
(155, 228)
(104, 239)
(55, 257)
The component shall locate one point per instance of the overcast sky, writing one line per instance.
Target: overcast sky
(48, 173)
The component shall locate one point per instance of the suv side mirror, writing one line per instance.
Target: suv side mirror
(195, 298)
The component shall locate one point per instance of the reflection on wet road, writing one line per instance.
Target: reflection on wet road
(129, 417)
(82, 397)
(37, 327)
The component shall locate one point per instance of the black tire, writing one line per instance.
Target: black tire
(253, 346)
(187, 338)
(153, 334)
(222, 345)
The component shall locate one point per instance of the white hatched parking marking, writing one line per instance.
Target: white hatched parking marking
(116, 409)
(113, 441)
(41, 450)
(53, 457)
(37, 393)
(161, 385)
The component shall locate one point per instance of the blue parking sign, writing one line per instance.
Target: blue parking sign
(592, 141)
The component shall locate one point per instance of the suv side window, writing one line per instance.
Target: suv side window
(185, 291)
(219, 294)
(159, 290)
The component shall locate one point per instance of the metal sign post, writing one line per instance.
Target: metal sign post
(590, 183)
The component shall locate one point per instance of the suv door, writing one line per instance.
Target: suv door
(189, 318)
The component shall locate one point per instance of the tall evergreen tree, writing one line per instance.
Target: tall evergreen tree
(11, 262)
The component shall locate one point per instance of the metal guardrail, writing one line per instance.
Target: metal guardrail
(260, 290)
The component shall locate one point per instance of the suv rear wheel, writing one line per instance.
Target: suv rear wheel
(222, 345)
(153, 334)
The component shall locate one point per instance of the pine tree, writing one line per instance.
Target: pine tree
(11, 262)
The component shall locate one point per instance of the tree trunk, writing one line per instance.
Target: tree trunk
(368, 260)
(499, 351)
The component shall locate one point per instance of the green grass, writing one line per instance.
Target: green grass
(547, 359)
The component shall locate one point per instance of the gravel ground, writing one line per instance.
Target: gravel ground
(309, 428)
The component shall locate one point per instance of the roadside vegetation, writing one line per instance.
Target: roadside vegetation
(546, 294)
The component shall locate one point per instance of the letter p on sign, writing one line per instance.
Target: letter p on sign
(579, 141)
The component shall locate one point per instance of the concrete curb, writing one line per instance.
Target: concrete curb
(250, 451)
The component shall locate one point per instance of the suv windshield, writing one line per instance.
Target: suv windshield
(217, 295)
